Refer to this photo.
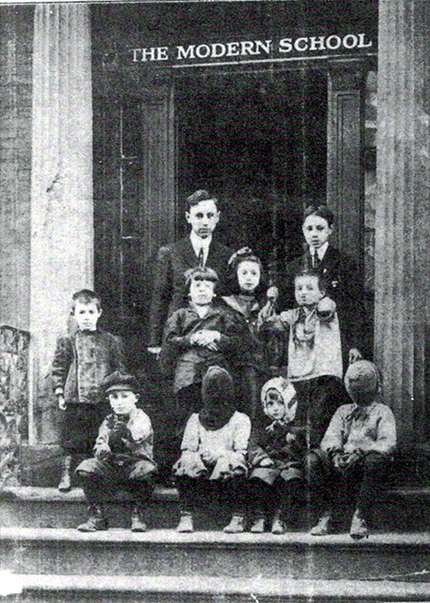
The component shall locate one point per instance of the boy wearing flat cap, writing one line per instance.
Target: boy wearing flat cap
(355, 451)
(123, 455)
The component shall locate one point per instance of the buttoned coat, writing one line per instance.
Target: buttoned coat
(82, 361)
(169, 285)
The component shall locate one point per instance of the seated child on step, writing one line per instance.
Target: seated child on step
(82, 360)
(196, 337)
(123, 456)
(355, 452)
(212, 463)
(275, 455)
(314, 353)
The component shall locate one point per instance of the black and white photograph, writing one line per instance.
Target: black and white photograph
(215, 301)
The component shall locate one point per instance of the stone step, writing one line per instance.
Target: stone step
(401, 510)
(293, 555)
(32, 507)
(206, 589)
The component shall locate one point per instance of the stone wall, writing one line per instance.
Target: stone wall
(14, 347)
(16, 41)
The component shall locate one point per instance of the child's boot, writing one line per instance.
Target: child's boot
(358, 528)
(323, 526)
(258, 525)
(236, 524)
(137, 521)
(278, 526)
(186, 522)
(97, 520)
(65, 484)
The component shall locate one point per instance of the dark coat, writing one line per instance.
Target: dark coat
(82, 361)
(252, 346)
(189, 361)
(169, 285)
(344, 286)
(268, 441)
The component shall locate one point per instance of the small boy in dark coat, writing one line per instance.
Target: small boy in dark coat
(197, 337)
(81, 362)
(275, 454)
(123, 455)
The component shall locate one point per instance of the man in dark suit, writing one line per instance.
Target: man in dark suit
(198, 248)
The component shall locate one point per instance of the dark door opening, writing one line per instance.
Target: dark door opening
(258, 142)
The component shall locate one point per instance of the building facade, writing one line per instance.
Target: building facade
(113, 113)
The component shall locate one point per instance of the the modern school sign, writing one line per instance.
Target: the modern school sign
(254, 51)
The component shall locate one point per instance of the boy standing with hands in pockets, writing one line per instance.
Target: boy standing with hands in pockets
(80, 364)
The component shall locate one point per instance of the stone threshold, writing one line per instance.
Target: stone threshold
(214, 538)
(336, 590)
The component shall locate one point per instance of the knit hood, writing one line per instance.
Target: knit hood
(286, 391)
(363, 382)
(218, 398)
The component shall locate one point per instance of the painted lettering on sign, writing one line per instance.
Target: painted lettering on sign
(253, 49)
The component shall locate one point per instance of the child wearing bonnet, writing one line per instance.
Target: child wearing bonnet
(275, 454)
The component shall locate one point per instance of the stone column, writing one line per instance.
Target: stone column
(402, 246)
(61, 186)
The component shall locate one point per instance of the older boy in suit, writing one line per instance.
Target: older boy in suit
(341, 276)
(198, 248)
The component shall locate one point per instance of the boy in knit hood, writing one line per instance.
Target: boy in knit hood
(355, 451)
(212, 463)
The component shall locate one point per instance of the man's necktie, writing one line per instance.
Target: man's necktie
(315, 260)
(201, 258)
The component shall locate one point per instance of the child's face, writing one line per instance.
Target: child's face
(316, 231)
(203, 218)
(202, 292)
(307, 290)
(86, 315)
(122, 402)
(248, 276)
(274, 405)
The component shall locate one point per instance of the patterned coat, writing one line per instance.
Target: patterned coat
(82, 361)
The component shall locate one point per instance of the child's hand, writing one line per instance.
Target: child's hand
(267, 311)
(61, 402)
(343, 461)
(290, 437)
(266, 462)
(120, 430)
(103, 452)
(272, 294)
(353, 458)
(326, 305)
(208, 457)
(354, 355)
(206, 338)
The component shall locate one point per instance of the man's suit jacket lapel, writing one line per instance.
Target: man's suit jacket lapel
(330, 260)
(187, 252)
(213, 254)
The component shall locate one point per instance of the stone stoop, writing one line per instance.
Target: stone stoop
(403, 509)
(293, 555)
(53, 562)
(204, 589)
